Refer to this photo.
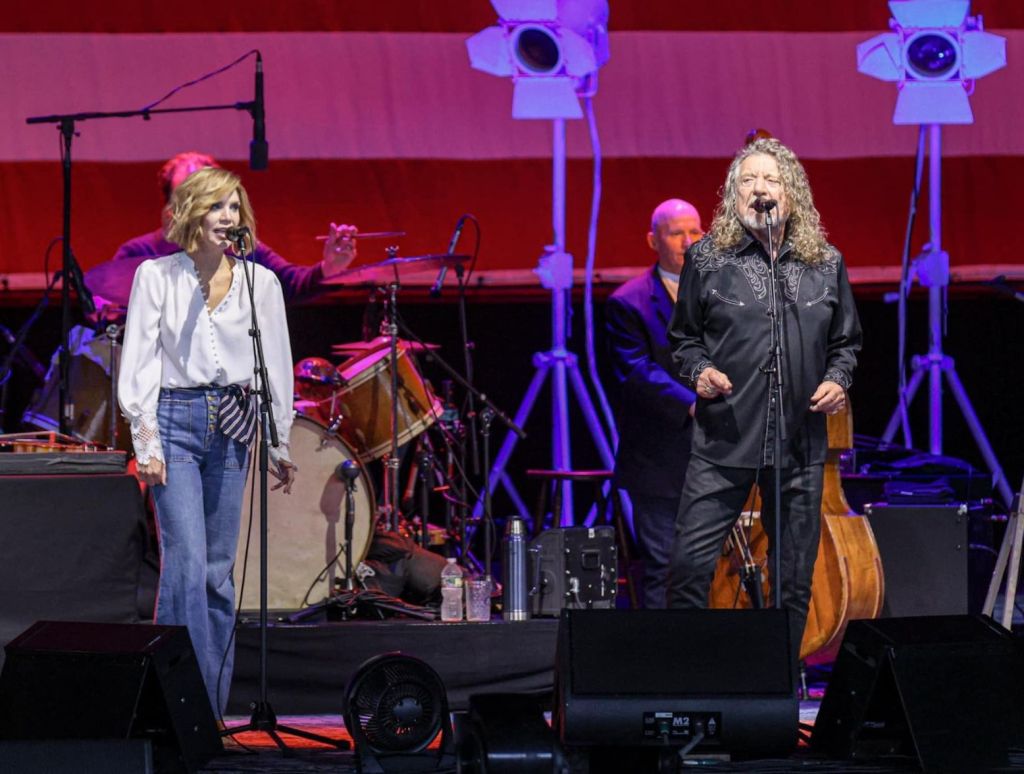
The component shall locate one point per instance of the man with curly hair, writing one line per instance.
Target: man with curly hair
(721, 333)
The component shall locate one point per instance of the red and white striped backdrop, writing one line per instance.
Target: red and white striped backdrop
(375, 117)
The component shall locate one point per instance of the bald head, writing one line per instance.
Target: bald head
(675, 225)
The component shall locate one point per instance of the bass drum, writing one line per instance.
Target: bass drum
(306, 529)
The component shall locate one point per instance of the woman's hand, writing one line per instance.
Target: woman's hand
(153, 472)
(284, 472)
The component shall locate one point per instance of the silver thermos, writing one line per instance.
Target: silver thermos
(514, 607)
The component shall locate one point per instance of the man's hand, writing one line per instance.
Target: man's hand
(829, 398)
(339, 249)
(153, 472)
(711, 383)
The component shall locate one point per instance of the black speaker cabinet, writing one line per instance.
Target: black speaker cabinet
(74, 680)
(572, 567)
(926, 557)
(719, 680)
(944, 689)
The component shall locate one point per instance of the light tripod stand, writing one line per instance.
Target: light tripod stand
(933, 272)
(558, 363)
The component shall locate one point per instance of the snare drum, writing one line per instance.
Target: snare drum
(363, 402)
(305, 529)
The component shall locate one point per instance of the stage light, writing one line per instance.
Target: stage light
(934, 53)
(550, 49)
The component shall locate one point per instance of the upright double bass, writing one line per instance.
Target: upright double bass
(848, 581)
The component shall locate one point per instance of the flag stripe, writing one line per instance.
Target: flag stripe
(131, 16)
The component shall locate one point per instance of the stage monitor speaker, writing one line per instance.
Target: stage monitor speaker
(77, 756)
(505, 733)
(676, 678)
(72, 680)
(944, 689)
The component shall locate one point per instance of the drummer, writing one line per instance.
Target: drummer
(296, 281)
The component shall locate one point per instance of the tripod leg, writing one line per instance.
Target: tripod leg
(998, 478)
(1012, 577)
(898, 417)
(590, 415)
(561, 452)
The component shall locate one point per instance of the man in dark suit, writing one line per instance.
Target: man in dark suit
(653, 407)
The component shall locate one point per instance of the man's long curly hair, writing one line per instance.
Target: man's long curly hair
(803, 228)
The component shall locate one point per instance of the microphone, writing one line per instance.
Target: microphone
(435, 291)
(236, 233)
(346, 471)
(765, 205)
(258, 148)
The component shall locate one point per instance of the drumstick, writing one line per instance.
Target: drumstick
(370, 235)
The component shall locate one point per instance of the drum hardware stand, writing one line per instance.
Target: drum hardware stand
(491, 411)
(1008, 562)
(113, 331)
(389, 328)
(425, 472)
(263, 717)
(486, 417)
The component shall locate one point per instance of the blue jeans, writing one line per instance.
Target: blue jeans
(198, 513)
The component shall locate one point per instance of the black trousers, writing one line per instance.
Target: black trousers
(713, 497)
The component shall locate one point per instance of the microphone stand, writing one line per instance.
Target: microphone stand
(775, 392)
(263, 717)
(66, 124)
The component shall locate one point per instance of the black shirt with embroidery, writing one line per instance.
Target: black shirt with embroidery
(721, 320)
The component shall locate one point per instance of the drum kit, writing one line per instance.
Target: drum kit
(364, 411)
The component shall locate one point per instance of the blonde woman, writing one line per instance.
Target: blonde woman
(185, 385)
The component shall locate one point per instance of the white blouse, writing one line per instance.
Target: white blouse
(171, 339)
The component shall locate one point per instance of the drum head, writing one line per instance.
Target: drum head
(306, 529)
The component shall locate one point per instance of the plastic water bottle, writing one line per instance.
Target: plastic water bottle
(451, 591)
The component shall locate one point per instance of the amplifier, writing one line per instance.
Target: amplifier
(574, 568)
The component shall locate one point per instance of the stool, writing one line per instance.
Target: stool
(598, 478)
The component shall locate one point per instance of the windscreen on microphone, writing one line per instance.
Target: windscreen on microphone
(259, 150)
(346, 471)
(236, 233)
(765, 205)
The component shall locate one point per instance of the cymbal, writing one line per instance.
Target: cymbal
(395, 268)
(113, 279)
(353, 348)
